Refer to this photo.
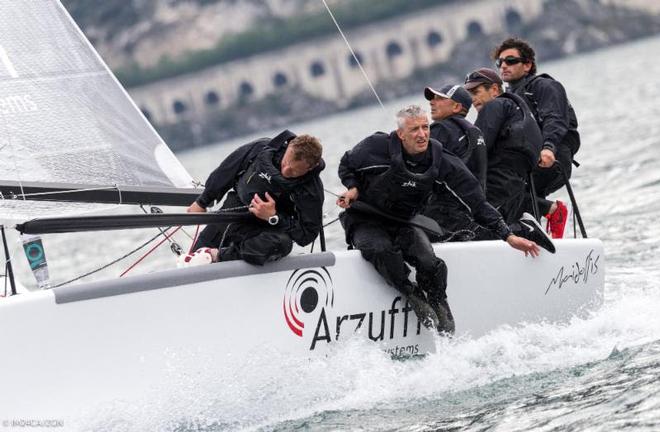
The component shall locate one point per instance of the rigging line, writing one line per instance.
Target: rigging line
(364, 73)
(119, 192)
(222, 210)
(194, 240)
(183, 230)
(163, 232)
(224, 235)
(110, 263)
(12, 155)
(332, 193)
(331, 222)
(73, 191)
(148, 252)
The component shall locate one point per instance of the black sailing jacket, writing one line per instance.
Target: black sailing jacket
(372, 157)
(513, 138)
(547, 99)
(466, 141)
(299, 205)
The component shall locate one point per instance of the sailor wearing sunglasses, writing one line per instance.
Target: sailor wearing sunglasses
(546, 97)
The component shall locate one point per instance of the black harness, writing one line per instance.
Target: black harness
(523, 136)
(398, 191)
(263, 174)
(525, 92)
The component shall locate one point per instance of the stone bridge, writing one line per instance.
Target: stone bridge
(388, 50)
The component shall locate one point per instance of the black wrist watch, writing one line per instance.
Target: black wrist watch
(274, 220)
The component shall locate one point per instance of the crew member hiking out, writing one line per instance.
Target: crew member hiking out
(547, 99)
(395, 174)
(449, 106)
(278, 181)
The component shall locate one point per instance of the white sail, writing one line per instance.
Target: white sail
(64, 118)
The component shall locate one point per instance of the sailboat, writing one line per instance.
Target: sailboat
(72, 141)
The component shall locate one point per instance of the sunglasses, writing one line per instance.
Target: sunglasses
(510, 60)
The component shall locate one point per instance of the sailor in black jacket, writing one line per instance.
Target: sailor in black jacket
(513, 141)
(396, 174)
(449, 106)
(547, 99)
(278, 181)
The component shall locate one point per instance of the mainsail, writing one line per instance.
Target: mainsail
(64, 118)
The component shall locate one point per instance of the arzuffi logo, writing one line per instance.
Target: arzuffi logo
(409, 183)
(305, 290)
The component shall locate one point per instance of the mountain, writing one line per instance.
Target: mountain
(147, 41)
(144, 32)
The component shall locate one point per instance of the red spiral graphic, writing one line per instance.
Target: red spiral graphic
(305, 290)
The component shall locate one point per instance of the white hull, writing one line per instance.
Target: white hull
(68, 349)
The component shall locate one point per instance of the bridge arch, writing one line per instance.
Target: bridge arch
(433, 39)
(280, 79)
(179, 107)
(211, 98)
(474, 29)
(393, 49)
(245, 89)
(317, 69)
(513, 20)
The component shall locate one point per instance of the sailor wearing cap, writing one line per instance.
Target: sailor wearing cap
(513, 143)
(449, 106)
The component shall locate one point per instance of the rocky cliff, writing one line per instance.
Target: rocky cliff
(144, 32)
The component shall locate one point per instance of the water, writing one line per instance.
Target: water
(598, 373)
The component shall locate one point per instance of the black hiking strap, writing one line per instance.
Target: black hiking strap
(419, 221)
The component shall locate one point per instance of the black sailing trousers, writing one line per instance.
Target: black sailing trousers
(505, 190)
(254, 242)
(389, 246)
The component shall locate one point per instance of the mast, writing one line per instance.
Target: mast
(8, 268)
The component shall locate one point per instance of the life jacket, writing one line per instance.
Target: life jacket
(472, 134)
(262, 175)
(521, 135)
(572, 137)
(398, 191)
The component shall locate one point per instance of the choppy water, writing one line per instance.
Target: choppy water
(601, 373)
